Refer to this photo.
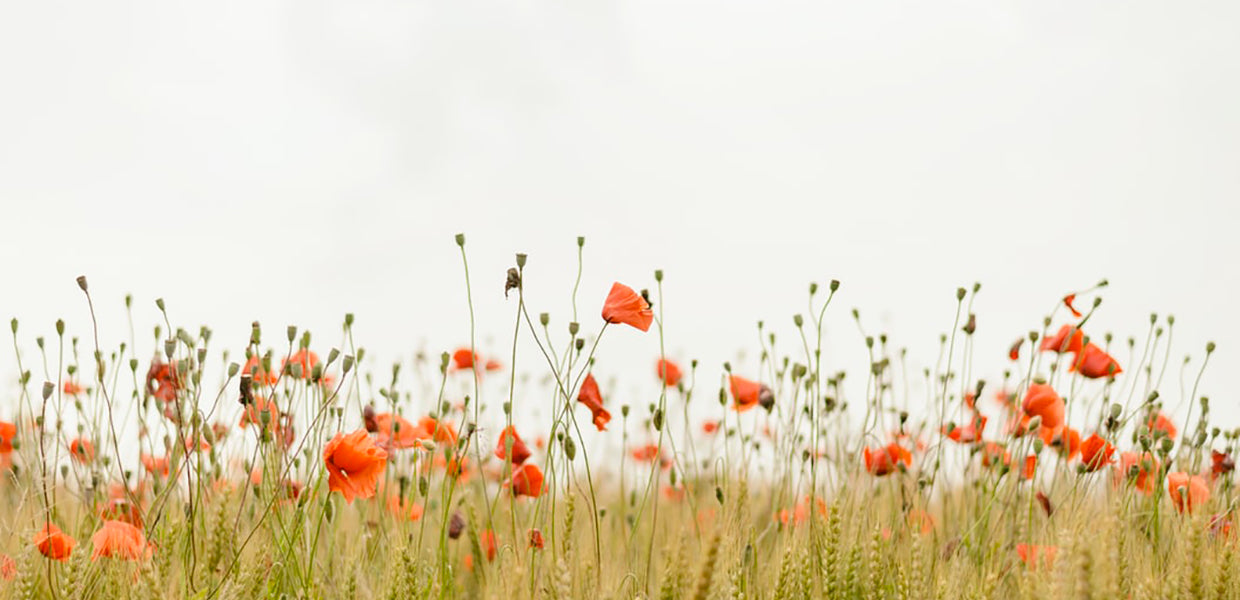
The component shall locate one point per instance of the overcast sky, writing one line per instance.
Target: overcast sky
(291, 162)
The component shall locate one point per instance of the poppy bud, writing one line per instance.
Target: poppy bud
(813, 288)
(573, 327)
(544, 318)
(348, 319)
(1167, 444)
(332, 356)
(256, 333)
(581, 241)
(1209, 347)
(460, 240)
(797, 320)
(1034, 424)
(624, 410)
(1038, 445)
(657, 420)
(292, 333)
(658, 275)
(960, 292)
(48, 388)
(423, 485)
(347, 364)
(170, 348)
(570, 448)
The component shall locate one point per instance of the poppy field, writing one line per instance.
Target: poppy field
(1083, 464)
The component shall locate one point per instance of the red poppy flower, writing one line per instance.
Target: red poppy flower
(71, 388)
(354, 465)
(710, 427)
(259, 410)
(1034, 555)
(1014, 351)
(54, 543)
(519, 451)
(118, 539)
(527, 480)
(1093, 362)
(1221, 463)
(162, 381)
(647, 453)
(536, 539)
(1160, 422)
(969, 433)
(623, 305)
(1096, 453)
(1042, 401)
(306, 359)
(155, 465)
(1067, 440)
(1187, 492)
(1145, 466)
(593, 399)
(1069, 339)
(994, 454)
(8, 567)
(668, 372)
(82, 450)
(489, 546)
(881, 461)
(747, 394)
(8, 432)
(1031, 466)
(442, 432)
(464, 358)
(119, 509)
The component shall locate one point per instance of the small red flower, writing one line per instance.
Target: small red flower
(881, 461)
(1160, 422)
(593, 399)
(527, 480)
(1096, 453)
(668, 372)
(54, 543)
(747, 394)
(1144, 465)
(1093, 362)
(1069, 339)
(519, 451)
(1042, 401)
(1067, 301)
(1031, 553)
(1221, 463)
(623, 305)
(1187, 492)
(1014, 351)
(536, 539)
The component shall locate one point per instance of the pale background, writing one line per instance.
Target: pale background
(290, 162)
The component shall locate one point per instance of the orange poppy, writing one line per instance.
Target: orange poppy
(259, 375)
(1014, 350)
(1096, 453)
(8, 567)
(968, 434)
(994, 454)
(404, 508)
(489, 547)
(709, 427)
(120, 509)
(646, 453)
(256, 411)
(536, 539)
(442, 432)
(519, 452)
(1069, 339)
(1160, 422)
(1031, 466)
(1031, 553)
(1145, 465)
(71, 388)
(884, 460)
(8, 432)
(1093, 362)
(1042, 401)
(593, 399)
(54, 543)
(1221, 463)
(354, 465)
(118, 539)
(747, 394)
(306, 359)
(1067, 301)
(82, 450)
(155, 465)
(623, 305)
(527, 480)
(668, 372)
(1187, 492)
(464, 358)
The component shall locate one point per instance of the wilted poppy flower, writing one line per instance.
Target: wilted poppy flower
(162, 381)
(1221, 463)
(258, 375)
(668, 372)
(118, 539)
(1034, 555)
(623, 305)
(1096, 453)
(54, 543)
(593, 399)
(1093, 362)
(155, 465)
(82, 450)
(354, 464)
(1069, 339)
(536, 539)
(1140, 468)
(1042, 401)
(305, 359)
(1187, 492)
(881, 461)
(747, 394)
(1160, 422)
(1067, 301)
(456, 525)
(527, 480)
(518, 453)
(1045, 501)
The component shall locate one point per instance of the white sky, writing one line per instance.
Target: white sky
(290, 162)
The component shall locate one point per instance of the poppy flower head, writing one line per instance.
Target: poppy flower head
(668, 372)
(8, 432)
(1161, 424)
(1014, 350)
(464, 358)
(1034, 555)
(488, 544)
(82, 450)
(994, 454)
(1221, 463)
(394, 431)
(442, 432)
(354, 465)
(1069, 339)
(1187, 492)
(887, 459)
(1093, 362)
(536, 539)
(1067, 301)
(162, 381)
(747, 394)
(1042, 401)
(710, 427)
(968, 434)
(517, 453)
(118, 539)
(258, 375)
(54, 543)
(304, 359)
(623, 305)
(71, 388)
(590, 396)
(527, 480)
(1096, 453)
(155, 465)
(1140, 468)
(404, 508)
(8, 567)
